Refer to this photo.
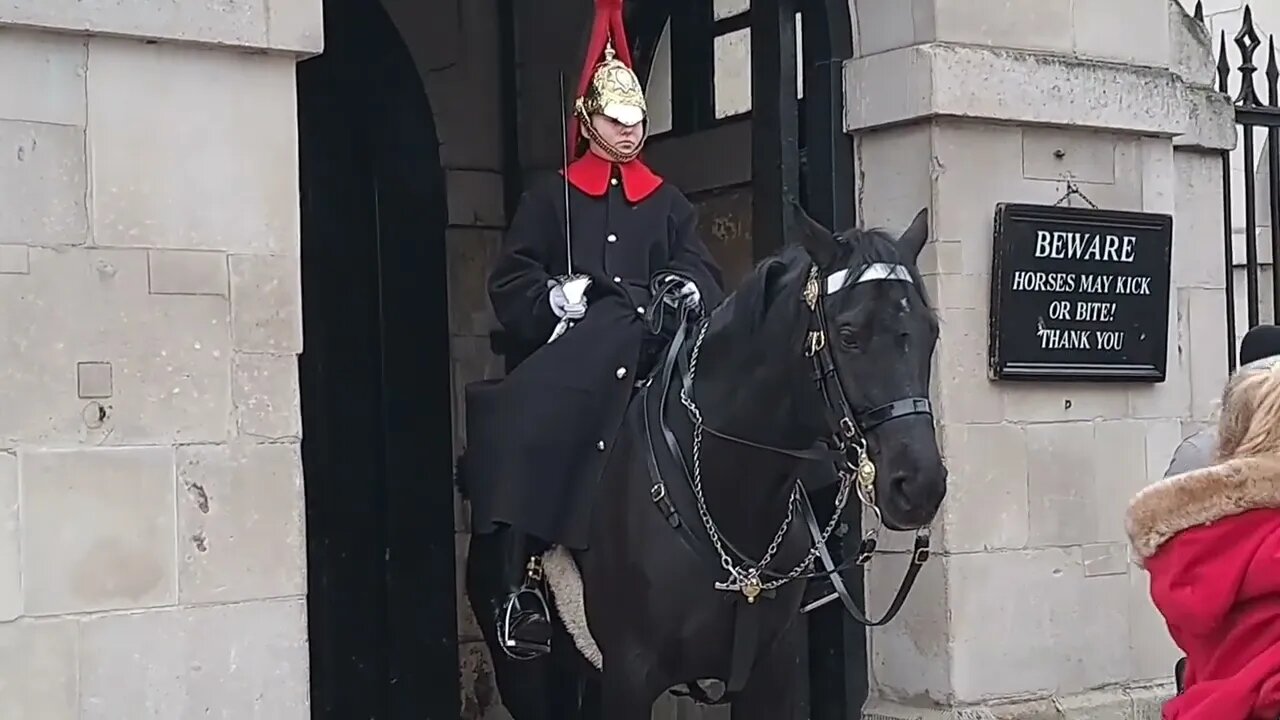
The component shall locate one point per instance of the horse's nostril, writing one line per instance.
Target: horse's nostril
(907, 494)
(900, 489)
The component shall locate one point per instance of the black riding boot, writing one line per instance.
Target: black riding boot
(524, 629)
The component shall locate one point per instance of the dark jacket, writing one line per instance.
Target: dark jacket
(1194, 453)
(1200, 450)
(537, 440)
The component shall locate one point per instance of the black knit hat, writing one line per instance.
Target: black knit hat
(1260, 342)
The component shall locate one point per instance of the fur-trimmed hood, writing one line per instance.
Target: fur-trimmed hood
(1210, 542)
(1200, 497)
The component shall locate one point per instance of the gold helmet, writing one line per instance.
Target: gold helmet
(613, 91)
(607, 86)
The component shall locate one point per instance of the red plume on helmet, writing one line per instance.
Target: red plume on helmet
(607, 25)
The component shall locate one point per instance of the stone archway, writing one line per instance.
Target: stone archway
(374, 376)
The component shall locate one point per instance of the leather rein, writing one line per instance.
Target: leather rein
(845, 447)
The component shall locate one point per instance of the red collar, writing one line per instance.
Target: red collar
(590, 174)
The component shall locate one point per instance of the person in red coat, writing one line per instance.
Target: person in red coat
(1210, 540)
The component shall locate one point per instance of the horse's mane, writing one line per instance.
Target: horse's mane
(787, 269)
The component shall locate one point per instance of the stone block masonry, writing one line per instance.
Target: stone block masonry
(150, 303)
(152, 554)
(1033, 609)
(150, 324)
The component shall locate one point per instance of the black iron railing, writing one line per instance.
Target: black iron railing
(1251, 114)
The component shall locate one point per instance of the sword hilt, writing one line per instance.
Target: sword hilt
(575, 289)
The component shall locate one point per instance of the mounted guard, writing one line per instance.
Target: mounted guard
(579, 266)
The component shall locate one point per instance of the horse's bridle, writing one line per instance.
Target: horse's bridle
(848, 427)
(846, 448)
(848, 435)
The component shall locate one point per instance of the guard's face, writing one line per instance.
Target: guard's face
(624, 138)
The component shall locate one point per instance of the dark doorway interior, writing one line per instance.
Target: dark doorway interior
(375, 380)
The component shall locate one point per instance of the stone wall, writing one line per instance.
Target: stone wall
(149, 263)
(151, 497)
(173, 256)
(152, 555)
(1033, 608)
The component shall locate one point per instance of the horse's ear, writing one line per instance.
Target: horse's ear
(914, 237)
(774, 279)
(762, 288)
(816, 239)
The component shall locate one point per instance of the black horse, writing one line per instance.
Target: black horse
(818, 365)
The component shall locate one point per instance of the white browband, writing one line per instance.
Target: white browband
(837, 280)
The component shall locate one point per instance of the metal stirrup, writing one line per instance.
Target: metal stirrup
(520, 649)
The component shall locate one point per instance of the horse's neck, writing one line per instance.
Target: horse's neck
(759, 388)
(768, 403)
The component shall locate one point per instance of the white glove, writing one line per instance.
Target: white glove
(688, 292)
(562, 307)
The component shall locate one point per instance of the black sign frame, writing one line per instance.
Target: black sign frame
(1005, 362)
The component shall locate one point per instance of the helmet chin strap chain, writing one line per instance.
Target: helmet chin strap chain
(614, 153)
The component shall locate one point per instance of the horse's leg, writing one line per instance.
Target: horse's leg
(564, 682)
(773, 691)
(625, 696)
(523, 686)
(592, 704)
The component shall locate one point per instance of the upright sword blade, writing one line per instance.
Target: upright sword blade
(574, 286)
(564, 149)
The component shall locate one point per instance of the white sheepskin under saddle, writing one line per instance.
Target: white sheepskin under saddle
(565, 584)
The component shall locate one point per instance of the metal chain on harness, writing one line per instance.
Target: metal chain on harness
(742, 578)
(854, 471)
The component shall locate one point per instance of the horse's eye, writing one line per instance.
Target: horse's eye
(848, 339)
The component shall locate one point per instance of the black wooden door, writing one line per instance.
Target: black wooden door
(374, 377)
